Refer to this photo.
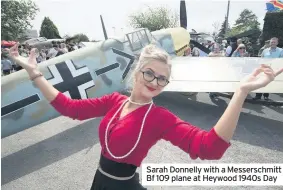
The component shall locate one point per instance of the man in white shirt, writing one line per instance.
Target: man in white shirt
(271, 52)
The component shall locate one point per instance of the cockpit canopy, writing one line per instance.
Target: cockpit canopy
(137, 39)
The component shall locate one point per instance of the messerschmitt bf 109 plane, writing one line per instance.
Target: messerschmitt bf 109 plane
(103, 67)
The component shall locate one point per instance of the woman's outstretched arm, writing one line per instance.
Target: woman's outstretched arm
(198, 143)
(213, 144)
(226, 125)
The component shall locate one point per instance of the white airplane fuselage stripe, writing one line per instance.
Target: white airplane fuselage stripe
(82, 88)
(67, 94)
(73, 70)
(57, 76)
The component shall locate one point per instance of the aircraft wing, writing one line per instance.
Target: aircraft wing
(207, 74)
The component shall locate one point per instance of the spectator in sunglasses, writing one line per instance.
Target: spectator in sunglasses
(240, 51)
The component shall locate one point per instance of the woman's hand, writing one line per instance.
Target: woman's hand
(29, 64)
(254, 81)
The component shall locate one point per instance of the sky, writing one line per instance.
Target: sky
(83, 16)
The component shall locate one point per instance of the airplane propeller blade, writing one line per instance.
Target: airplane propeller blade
(183, 14)
(103, 27)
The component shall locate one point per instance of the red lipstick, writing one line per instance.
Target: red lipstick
(151, 89)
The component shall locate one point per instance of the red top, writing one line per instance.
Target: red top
(123, 132)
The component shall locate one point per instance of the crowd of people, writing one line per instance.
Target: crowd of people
(270, 50)
(238, 49)
(57, 49)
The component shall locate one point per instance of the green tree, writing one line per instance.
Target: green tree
(80, 38)
(247, 28)
(222, 30)
(48, 29)
(233, 32)
(154, 19)
(16, 17)
(246, 21)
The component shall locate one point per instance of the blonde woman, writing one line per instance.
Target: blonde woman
(132, 125)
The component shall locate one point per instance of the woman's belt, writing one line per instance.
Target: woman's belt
(116, 170)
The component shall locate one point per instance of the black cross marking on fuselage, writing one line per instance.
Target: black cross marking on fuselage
(70, 83)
